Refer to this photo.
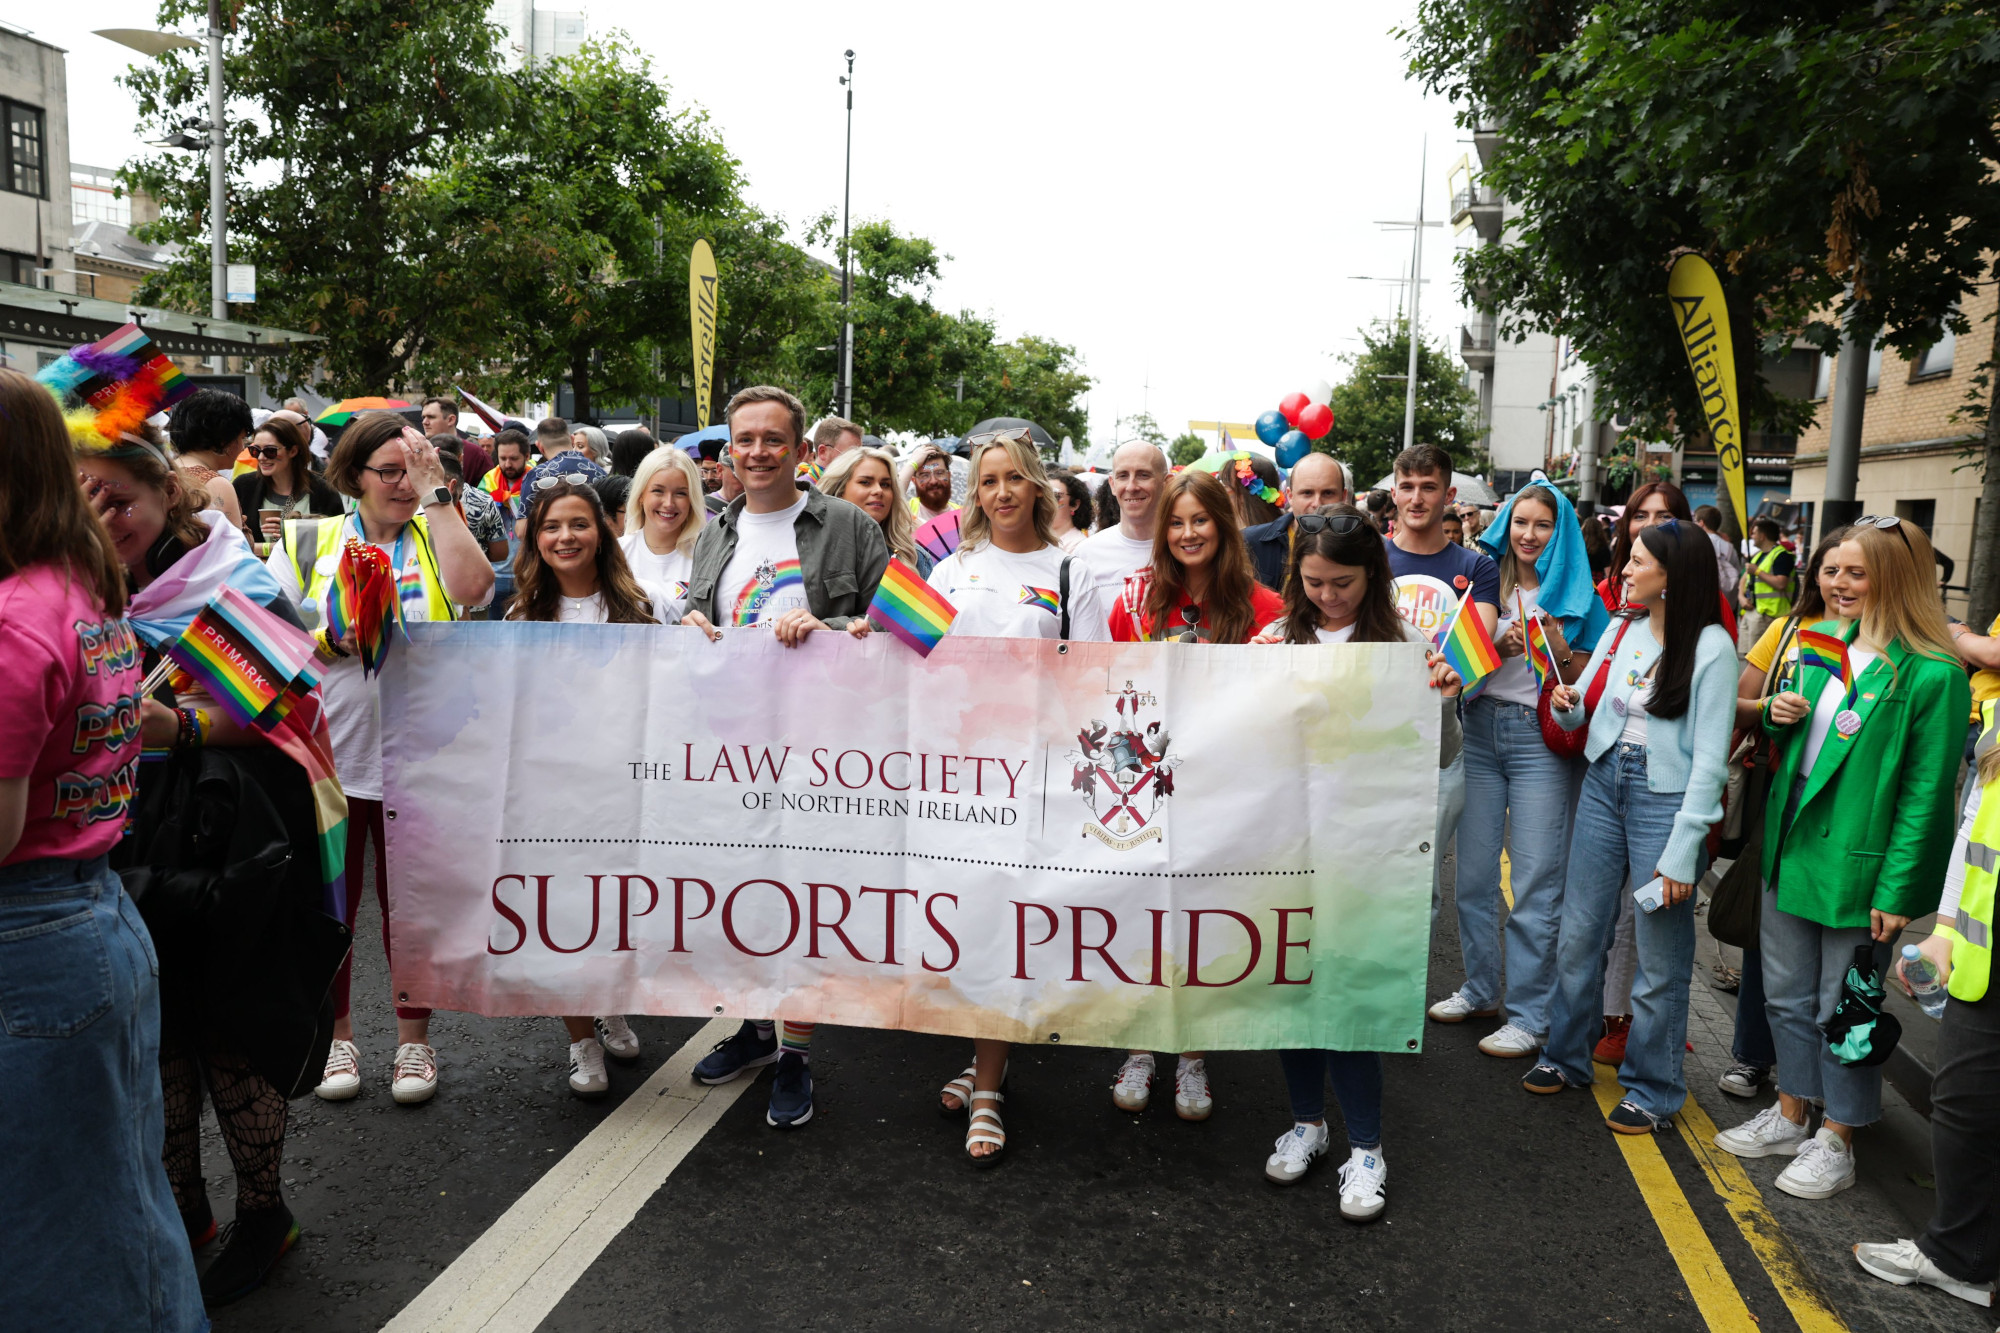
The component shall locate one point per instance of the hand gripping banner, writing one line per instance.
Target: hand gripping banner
(1160, 846)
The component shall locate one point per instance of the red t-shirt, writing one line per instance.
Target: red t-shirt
(1265, 607)
(69, 719)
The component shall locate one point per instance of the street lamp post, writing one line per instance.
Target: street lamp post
(845, 397)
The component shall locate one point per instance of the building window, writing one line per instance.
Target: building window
(27, 152)
(1875, 366)
(1923, 513)
(1822, 376)
(15, 267)
(1936, 360)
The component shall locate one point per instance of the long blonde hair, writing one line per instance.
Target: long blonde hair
(1903, 602)
(899, 525)
(1510, 564)
(667, 456)
(976, 529)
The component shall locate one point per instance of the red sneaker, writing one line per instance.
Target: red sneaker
(1611, 1046)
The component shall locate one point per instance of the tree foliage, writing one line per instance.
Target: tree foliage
(1368, 408)
(1801, 149)
(1186, 448)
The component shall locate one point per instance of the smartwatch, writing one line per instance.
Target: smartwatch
(439, 495)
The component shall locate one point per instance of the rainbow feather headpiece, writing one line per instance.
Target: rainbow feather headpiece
(108, 388)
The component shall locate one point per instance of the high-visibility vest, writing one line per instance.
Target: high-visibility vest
(1772, 602)
(1971, 931)
(314, 545)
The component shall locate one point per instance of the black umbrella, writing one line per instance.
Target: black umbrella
(1042, 440)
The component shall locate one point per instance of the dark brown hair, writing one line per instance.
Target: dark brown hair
(536, 591)
(1424, 460)
(1231, 615)
(294, 437)
(357, 444)
(44, 518)
(1376, 621)
(1621, 546)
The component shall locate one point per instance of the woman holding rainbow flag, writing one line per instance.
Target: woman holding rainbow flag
(1658, 748)
(1517, 790)
(420, 563)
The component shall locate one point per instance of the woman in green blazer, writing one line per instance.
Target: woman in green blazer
(1857, 833)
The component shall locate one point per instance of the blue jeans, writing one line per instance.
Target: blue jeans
(1751, 1042)
(93, 1237)
(1357, 1086)
(1805, 964)
(1621, 829)
(1518, 789)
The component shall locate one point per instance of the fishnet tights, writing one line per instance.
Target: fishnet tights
(250, 1110)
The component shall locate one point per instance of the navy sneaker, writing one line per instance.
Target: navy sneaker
(791, 1093)
(745, 1050)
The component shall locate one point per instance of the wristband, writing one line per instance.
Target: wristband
(193, 729)
(332, 646)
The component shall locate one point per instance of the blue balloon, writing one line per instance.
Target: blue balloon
(1292, 446)
(1272, 425)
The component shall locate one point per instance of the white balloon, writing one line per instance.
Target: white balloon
(1319, 391)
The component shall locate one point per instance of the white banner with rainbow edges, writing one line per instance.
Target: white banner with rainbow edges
(1158, 846)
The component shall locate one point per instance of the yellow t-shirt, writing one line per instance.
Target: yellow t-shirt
(1759, 655)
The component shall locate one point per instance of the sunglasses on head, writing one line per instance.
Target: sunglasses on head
(1337, 524)
(573, 478)
(1884, 522)
(1017, 435)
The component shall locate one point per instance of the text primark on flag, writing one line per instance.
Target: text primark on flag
(1468, 647)
(910, 608)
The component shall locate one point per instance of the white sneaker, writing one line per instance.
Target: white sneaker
(1455, 1008)
(620, 1042)
(1823, 1168)
(1134, 1088)
(1510, 1042)
(1191, 1096)
(586, 1068)
(1902, 1263)
(416, 1074)
(1294, 1153)
(1364, 1177)
(342, 1079)
(1766, 1134)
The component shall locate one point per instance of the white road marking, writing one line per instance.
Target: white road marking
(509, 1279)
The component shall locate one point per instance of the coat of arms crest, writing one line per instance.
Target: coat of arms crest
(1124, 774)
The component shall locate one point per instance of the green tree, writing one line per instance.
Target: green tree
(360, 104)
(1368, 405)
(1035, 378)
(1186, 448)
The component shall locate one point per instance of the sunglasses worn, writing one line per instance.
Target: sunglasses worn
(266, 451)
(1337, 524)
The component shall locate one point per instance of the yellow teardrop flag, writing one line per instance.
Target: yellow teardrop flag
(1702, 319)
(701, 312)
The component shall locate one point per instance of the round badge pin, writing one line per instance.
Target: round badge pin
(1847, 722)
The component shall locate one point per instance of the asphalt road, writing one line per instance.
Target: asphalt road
(1505, 1211)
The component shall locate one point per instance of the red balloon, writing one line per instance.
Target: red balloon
(1316, 420)
(1291, 405)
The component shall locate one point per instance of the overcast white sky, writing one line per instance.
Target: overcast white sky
(1183, 193)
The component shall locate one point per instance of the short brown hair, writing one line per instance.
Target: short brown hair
(831, 429)
(553, 429)
(1424, 460)
(769, 393)
(357, 444)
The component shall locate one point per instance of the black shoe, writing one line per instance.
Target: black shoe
(251, 1248)
(1743, 1079)
(1627, 1118)
(1546, 1080)
(199, 1218)
(744, 1050)
(791, 1093)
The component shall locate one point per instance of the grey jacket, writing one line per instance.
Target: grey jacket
(842, 556)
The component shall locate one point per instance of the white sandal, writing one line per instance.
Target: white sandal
(961, 1088)
(985, 1127)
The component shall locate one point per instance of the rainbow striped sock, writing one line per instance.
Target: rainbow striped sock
(798, 1037)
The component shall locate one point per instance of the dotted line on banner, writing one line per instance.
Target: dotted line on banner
(921, 856)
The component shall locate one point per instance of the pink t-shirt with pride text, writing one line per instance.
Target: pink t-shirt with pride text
(69, 714)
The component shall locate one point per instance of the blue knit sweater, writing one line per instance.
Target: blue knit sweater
(1689, 753)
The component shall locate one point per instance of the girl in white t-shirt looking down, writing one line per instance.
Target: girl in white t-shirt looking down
(1002, 579)
(663, 516)
(570, 569)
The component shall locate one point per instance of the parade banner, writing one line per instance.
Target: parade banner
(1159, 846)
(1702, 318)
(701, 315)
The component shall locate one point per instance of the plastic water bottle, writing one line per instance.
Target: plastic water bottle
(1923, 981)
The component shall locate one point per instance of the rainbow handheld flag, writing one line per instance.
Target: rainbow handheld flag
(246, 659)
(911, 609)
(1042, 597)
(363, 600)
(1541, 660)
(1468, 647)
(1825, 651)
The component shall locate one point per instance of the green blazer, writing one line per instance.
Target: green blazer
(1875, 823)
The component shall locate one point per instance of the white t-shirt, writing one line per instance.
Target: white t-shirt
(590, 610)
(999, 594)
(1072, 539)
(353, 701)
(1345, 634)
(670, 571)
(1515, 680)
(762, 579)
(1098, 577)
(1831, 696)
(1636, 716)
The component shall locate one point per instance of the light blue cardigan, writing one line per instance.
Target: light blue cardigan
(1689, 753)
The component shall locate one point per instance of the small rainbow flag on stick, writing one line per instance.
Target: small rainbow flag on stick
(246, 659)
(1468, 647)
(911, 609)
(1541, 660)
(1825, 651)
(363, 600)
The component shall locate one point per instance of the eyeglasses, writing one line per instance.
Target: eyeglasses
(1337, 524)
(273, 451)
(937, 467)
(1885, 522)
(391, 476)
